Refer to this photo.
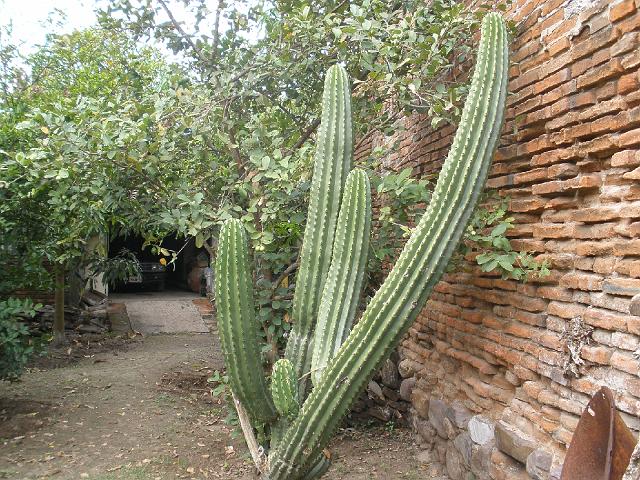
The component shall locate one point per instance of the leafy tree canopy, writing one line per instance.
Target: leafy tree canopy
(105, 136)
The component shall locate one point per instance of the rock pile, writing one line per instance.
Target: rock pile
(90, 317)
(383, 398)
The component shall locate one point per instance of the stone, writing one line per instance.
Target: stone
(539, 464)
(634, 308)
(503, 467)
(453, 464)
(464, 445)
(459, 415)
(407, 368)
(420, 402)
(359, 406)
(441, 450)
(513, 442)
(383, 414)
(375, 392)
(425, 456)
(481, 458)
(512, 379)
(406, 387)
(390, 395)
(437, 416)
(389, 374)
(555, 473)
(481, 429)
(424, 429)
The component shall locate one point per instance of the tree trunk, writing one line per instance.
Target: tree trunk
(58, 319)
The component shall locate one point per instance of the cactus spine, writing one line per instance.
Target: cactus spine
(334, 153)
(298, 452)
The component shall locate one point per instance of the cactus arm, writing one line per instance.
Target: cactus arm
(344, 281)
(237, 323)
(332, 163)
(284, 388)
(423, 260)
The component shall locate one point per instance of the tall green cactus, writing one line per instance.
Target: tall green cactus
(237, 325)
(329, 291)
(333, 158)
(339, 299)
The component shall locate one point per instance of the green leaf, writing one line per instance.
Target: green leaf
(199, 240)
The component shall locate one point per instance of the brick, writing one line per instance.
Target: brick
(606, 91)
(581, 281)
(621, 286)
(559, 46)
(605, 319)
(562, 170)
(530, 176)
(626, 158)
(553, 231)
(627, 247)
(595, 248)
(629, 138)
(633, 322)
(600, 74)
(552, 81)
(626, 362)
(597, 214)
(627, 83)
(604, 265)
(611, 302)
(565, 310)
(622, 10)
(526, 205)
(625, 341)
(632, 175)
(594, 231)
(626, 44)
(555, 293)
(595, 354)
(628, 267)
(581, 182)
(585, 98)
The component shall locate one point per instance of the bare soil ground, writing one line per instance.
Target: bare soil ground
(141, 409)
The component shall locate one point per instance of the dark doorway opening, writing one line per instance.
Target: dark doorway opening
(185, 273)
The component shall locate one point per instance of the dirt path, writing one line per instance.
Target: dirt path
(144, 412)
(162, 312)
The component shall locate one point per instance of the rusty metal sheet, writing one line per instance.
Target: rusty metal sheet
(601, 445)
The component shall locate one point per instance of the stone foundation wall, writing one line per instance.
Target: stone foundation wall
(486, 360)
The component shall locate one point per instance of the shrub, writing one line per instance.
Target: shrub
(16, 346)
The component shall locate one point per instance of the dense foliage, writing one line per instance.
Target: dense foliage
(16, 346)
(101, 136)
(262, 64)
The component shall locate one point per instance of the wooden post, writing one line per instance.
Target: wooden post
(257, 453)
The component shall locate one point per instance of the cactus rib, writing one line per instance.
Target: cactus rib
(423, 260)
(344, 282)
(333, 157)
(237, 323)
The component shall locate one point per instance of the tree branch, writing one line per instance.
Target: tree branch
(288, 271)
(305, 135)
(257, 453)
(216, 31)
(183, 34)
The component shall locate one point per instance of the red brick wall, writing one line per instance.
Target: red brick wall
(491, 350)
